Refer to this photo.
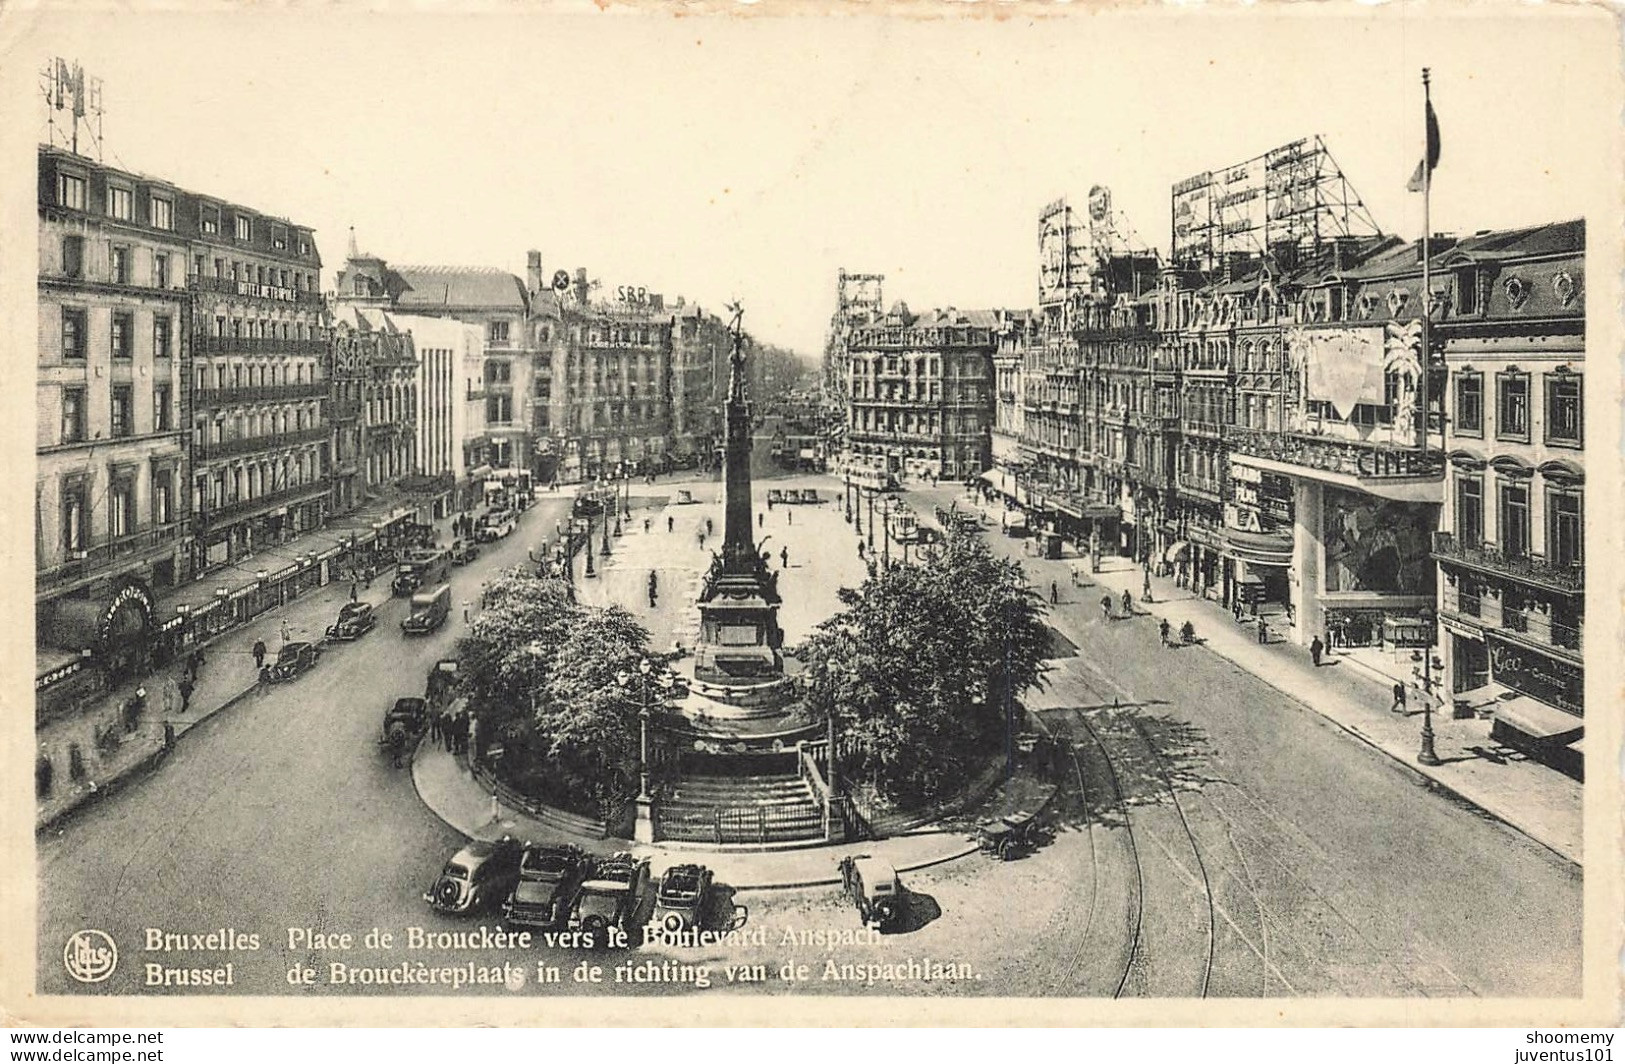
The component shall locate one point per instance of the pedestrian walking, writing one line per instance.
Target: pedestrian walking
(708, 526)
(1106, 607)
(265, 679)
(860, 548)
(287, 633)
(1263, 631)
(1054, 594)
(1145, 587)
(670, 522)
(645, 526)
(468, 608)
(1399, 698)
(1128, 603)
(789, 517)
(1316, 649)
(185, 688)
(1162, 630)
(702, 539)
(761, 519)
(447, 730)
(355, 590)
(259, 654)
(784, 557)
(434, 727)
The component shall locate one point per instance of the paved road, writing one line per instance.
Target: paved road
(1216, 838)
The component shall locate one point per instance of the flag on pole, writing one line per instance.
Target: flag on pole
(1432, 160)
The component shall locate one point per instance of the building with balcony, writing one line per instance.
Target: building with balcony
(1509, 315)
(919, 391)
(111, 458)
(375, 407)
(448, 352)
(257, 380)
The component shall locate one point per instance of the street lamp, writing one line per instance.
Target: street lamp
(1427, 755)
(885, 532)
(589, 546)
(644, 668)
(847, 498)
(871, 494)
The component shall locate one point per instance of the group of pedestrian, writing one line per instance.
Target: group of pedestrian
(450, 730)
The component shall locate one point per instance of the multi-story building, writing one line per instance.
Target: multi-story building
(444, 348)
(260, 439)
(920, 391)
(111, 458)
(1509, 313)
(375, 407)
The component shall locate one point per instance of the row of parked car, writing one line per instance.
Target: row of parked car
(562, 887)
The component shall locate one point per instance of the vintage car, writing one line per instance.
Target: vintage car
(774, 495)
(428, 611)
(549, 878)
(441, 683)
(463, 551)
(479, 875)
(682, 897)
(293, 659)
(1009, 836)
(355, 620)
(587, 504)
(874, 889)
(420, 569)
(610, 896)
(403, 724)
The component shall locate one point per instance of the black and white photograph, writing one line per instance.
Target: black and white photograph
(813, 515)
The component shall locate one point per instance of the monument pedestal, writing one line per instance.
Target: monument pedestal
(643, 829)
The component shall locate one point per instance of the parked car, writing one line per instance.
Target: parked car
(610, 896)
(682, 897)
(442, 681)
(549, 879)
(355, 620)
(293, 659)
(479, 875)
(463, 551)
(874, 889)
(429, 611)
(403, 724)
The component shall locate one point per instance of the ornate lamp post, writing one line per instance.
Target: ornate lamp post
(1427, 755)
(871, 494)
(590, 571)
(885, 532)
(643, 828)
(604, 547)
(847, 498)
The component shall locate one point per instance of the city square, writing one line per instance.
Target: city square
(1200, 615)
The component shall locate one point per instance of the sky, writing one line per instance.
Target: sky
(751, 158)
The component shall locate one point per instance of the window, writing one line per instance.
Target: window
(160, 271)
(162, 335)
(1469, 511)
(498, 409)
(163, 491)
(1467, 291)
(161, 421)
(1563, 408)
(497, 332)
(1513, 519)
(121, 506)
(75, 508)
(73, 256)
(123, 410)
(120, 203)
(161, 211)
(245, 227)
(498, 372)
(122, 335)
(1565, 528)
(197, 265)
(304, 246)
(71, 191)
(73, 332)
(73, 415)
(208, 220)
(1512, 406)
(279, 237)
(119, 258)
(1469, 404)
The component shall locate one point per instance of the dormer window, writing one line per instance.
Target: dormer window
(1467, 291)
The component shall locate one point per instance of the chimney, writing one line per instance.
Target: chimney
(533, 271)
(354, 254)
(582, 290)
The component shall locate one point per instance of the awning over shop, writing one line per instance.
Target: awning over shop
(1177, 551)
(1001, 481)
(1476, 698)
(1258, 548)
(1539, 721)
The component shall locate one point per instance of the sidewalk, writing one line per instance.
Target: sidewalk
(450, 791)
(1354, 694)
(228, 675)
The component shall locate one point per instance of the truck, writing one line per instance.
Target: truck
(420, 569)
(429, 610)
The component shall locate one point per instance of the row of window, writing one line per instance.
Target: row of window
(246, 481)
(1564, 518)
(256, 273)
(119, 499)
(1562, 392)
(121, 411)
(265, 329)
(223, 375)
(267, 423)
(73, 192)
(120, 263)
(120, 336)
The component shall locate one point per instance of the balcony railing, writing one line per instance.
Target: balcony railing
(227, 511)
(249, 444)
(1531, 569)
(103, 554)
(1532, 627)
(198, 282)
(1366, 461)
(256, 345)
(260, 393)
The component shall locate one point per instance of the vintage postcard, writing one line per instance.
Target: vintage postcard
(807, 515)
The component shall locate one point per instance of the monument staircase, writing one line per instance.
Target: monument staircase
(765, 809)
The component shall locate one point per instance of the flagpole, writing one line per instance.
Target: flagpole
(1427, 232)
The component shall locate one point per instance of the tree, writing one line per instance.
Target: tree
(541, 671)
(918, 667)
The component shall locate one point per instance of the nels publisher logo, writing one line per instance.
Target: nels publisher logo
(90, 956)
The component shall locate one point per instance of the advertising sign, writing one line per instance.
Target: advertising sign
(1540, 677)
